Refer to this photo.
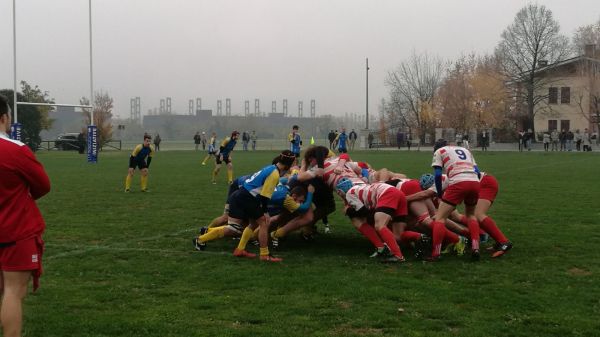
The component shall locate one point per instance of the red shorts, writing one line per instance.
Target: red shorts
(24, 255)
(394, 199)
(467, 191)
(488, 188)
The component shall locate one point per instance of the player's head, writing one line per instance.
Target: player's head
(4, 113)
(439, 144)
(298, 193)
(315, 155)
(147, 139)
(235, 134)
(285, 158)
(344, 185)
(295, 128)
(426, 181)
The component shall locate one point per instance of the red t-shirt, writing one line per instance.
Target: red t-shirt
(22, 181)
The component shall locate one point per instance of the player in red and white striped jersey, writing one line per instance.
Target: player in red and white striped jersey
(389, 207)
(463, 185)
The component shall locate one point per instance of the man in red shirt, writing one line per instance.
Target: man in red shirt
(21, 224)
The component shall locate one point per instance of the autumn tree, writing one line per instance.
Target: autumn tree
(34, 118)
(533, 36)
(103, 105)
(587, 34)
(413, 87)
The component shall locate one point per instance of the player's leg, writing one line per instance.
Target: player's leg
(291, 223)
(382, 219)
(490, 227)
(11, 312)
(128, 179)
(216, 170)
(438, 228)
(144, 179)
(229, 171)
(263, 239)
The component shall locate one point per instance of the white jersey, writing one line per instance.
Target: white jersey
(445, 183)
(364, 195)
(457, 162)
(330, 178)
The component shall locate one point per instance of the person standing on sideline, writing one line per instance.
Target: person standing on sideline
(554, 138)
(570, 136)
(253, 139)
(295, 141)
(528, 139)
(81, 141)
(140, 158)
(587, 141)
(331, 138)
(578, 139)
(352, 138)
(408, 141)
(197, 140)
(21, 224)
(203, 140)
(521, 140)
(370, 139)
(245, 140)
(546, 141)
(399, 139)
(484, 140)
(563, 140)
(157, 141)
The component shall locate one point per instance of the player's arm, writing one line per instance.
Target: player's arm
(136, 150)
(291, 137)
(420, 195)
(223, 144)
(438, 180)
(34, 173)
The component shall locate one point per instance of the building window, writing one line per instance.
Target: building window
(552, 124)
(565, 125)
(565, 95)
(553, 95)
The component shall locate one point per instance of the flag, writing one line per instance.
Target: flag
(312, 140)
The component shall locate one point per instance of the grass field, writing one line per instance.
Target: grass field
(121, 264)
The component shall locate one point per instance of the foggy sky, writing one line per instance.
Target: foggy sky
(247, 49)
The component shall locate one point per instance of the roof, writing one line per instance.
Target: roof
(567, 61)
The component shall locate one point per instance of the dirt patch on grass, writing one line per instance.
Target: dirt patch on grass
(579, 272)
(346, 330)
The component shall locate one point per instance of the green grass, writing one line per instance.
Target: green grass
(121, 264)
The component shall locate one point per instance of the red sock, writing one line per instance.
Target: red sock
(390, 240)
(490, 227)
(474, 230)
(464, 220)
(409, 236)
(439, 231)
(370, 233)
(450, 237)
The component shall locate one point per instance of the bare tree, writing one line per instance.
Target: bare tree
(588, 98)
(587, 34)
(103, 105)
(533, 36)
(413, 88)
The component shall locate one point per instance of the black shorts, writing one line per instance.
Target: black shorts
(137, 163)
(344, 150)
(232, 188)
(226, 160)
(323, 197)
(242, 205)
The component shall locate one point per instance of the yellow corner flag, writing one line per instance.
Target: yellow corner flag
(312, 140)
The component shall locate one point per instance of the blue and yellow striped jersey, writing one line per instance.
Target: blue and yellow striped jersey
(263, 182)
(295, 140)
(140, 153)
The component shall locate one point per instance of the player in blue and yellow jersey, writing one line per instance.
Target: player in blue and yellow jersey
(341, 141)
(295, 141)
(224, 156)
(212, 148)
(140, 158)
(250, 203)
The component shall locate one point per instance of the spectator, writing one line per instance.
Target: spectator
(554, 138)
(21, 227)
(546, 141)
(408, 141)
(335, 140)
(563, 140)
(331, 138)
(484, 140)
(253, 139)
(352, 137)
(528, 139)
(399, 138)
(458, 139)
(521, 140)
(341, 140)
(157, 141)
(578, 139)
(197, 140)
(570, 136)
(587, 141)
(245, 140)
(370, 140)
(465, 140)
(203, 140)
(81, 141)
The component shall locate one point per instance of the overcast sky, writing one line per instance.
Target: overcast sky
(247, 49)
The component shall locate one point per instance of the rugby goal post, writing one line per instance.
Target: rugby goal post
(92, 138)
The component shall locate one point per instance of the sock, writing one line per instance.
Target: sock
(255, 234)
(388, 237)
(409, 236)
(474, 230)
(325, 220)
(279, 233)
(215, 223)
(205, 159)
(214, 174)
(464, 220)
(439, 232)
(215, 233)
(144, 182)
(370, 233)
(127, 182)
(490, 227)
(264, 251)
(229, 174)
(246, 235)
(450, 237)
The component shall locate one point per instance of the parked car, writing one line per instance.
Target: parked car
(67, 141)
